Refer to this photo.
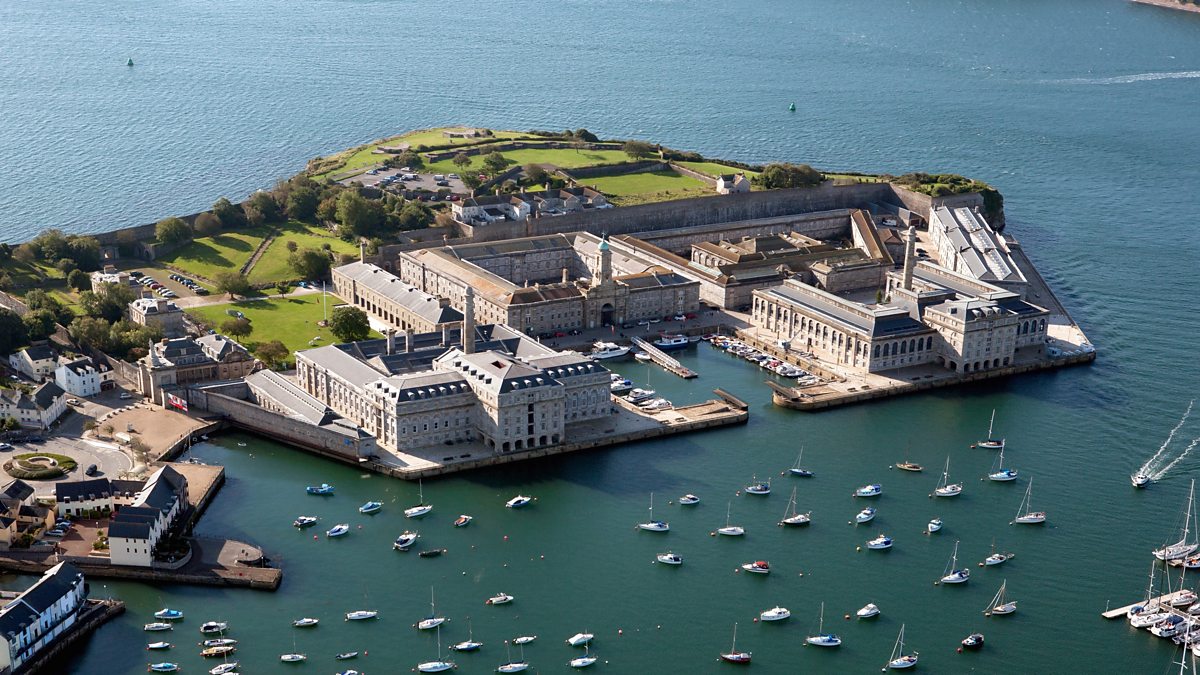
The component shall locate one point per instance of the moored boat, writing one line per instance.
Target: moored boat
(945, 488)
(210, 627)
(361, 615)
(323, 489)
(163, 667)
(798, 470)
(653, 525)
(218, 642)
(1026, 516)
(224, 668)
(730, 530)
(865, 516)
(344, 656)
(341, 529)
(821, 638)
(432, 553)
(689, 500)
(1002, 474)
(899, 660)
(421, 508)
(1183, 547)
(1000, 604)
(757, 487)
(909, 466)
(499, 599)
(582, 661)
(671, 342)
(991, 442)
(733, 655)
(293, 657)
(167, 614)
(463, 520)
(433, 620)
(159, 645)
(223, 650)
(873, 490)
(953, 574)
(757, 567)
(306, 622)
(524, 639)
(518, 501)
(406, 539)
(867, 611)
(880, 543)
(973, 641)
(776, 613)
(370, 507)
(608, 350)
(580, 639)
(934, 525)
(669, 558)
(304, 521)
(793, 518)
(157, 626)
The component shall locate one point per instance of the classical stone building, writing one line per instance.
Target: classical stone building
(385, 297)
(966, 244)
(180, 361)
(164, 314)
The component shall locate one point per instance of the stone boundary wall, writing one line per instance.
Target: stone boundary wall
(621, 169)
(506, 146)
(692, 173)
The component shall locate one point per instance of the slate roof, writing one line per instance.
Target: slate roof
(45, 395)
(840, 312)
(22, 611)
(83, 490)
(218, 347)
(385, 283)
(18, 490)
(40, 353)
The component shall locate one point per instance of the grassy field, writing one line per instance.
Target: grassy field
(291, 320)
(366, 156)
(567, 158)
(207, 256)
(714, 169)
(273, 265)
(644, 183)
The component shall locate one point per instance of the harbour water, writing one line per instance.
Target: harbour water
(1080, 112)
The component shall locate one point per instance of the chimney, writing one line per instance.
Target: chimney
(408, 340)
(362, 251)
(566, 275)
(445, 335)
(910, 258)
(391, 340)
(468, 324)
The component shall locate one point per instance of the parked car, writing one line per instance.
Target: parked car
(125, 396)
(5, 446)
(680, 317)
(73, 401)
(443, 183)
(451, 198)
(55, 533)
(91, 470)
(135, 274)
(452, 176)
(201, 291)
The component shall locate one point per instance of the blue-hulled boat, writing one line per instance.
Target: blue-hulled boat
(322, 489)
(370, 507)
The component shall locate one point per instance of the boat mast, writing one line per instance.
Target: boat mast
(991, 424)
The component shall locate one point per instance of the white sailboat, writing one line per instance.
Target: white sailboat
(792, 517)
(798, 470)
(433, 620)
(468, 645)
(654, 525)
(899, 660)
(1002, 474)
(511, 666)
(945, 488)
(438, 665)
(583, 661)
(821, 638)
(953, 574)
(1000, 604)
(1149, 606)
(421, 508)
(991, 442)
(730, 530)
(1026, 516)
(1183, 547)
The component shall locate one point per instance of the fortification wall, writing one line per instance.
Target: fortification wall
(273, 425)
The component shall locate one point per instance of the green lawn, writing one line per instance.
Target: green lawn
(567, 158)
(273, 265)
(644, 183)
(291, 320)
(714, 169)
(207, 256)
(366, 156)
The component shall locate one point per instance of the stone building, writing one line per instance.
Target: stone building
(37, 409)
(164, 314)
(730, 183)
(966, 244)
(522, 206)
(180, 361)
(37, 362)
(389, 300)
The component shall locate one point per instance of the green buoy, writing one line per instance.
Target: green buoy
(130, 64)
(791, 107)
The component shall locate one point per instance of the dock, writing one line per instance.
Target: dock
(1161, 600)
(660, 357)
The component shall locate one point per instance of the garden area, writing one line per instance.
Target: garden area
(207, 256)
(38, 465)
(273, 265)
(715, 169)
(365, 155)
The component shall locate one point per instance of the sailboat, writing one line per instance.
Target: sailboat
(1150, 606)
(991, 442)
(294, 656)
(1001, 604)
(997, 558)
(954, 575)
(468, 645)
(733, 655)
(438, 665)
(945, 488)
(791, 517)
(433, 620)
(421, 508)
(1027, 517)
(899, 660)
(730, 530)
(583, 661)
(654, 525)
(797, 470)
(1182, 547)
(823, 639)
(1002, 474)
(511, 666)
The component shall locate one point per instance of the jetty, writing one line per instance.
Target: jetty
(1162, 600)
(661, 358)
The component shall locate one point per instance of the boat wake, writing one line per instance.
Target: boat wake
(1157, 466)
(1130, 79)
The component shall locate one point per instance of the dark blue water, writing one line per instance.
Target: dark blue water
(1081, 113)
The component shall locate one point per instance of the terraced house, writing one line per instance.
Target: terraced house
(36, 618)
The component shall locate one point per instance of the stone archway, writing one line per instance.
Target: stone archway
(606, 314)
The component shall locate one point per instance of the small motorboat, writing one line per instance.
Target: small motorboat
(518, 502)
(346, 656)
(607, 350)
(159, 645)
(338, 530)
(166, 614)
(880, 543)
(431, 622)
(210, 627)
(499, 599)
(643, 357)
(163, 667)
(224, 668)
(865, 516)
(524, 639)
(873, 490)
(580, 639)
(638, 395)
(361, 615)
(223, 650)
(869, 610)
(406, 539)
(973, 641)
(305, 521)
(218, 642)
(757, 567)
(306, 622)
(776, 613)
(689, 500)
(324, 489)
(998, 558)
(463, 520)
(432, 553)
(909, 466)
(620, 385)
(370, 507)
(157, 625)
(759, 487)
(1139, 480)
(669, 558)
(292, 658)
(934, 525)
(668, 343)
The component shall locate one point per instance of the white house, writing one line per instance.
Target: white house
(729, 183)
(77, 498)
(136, 529)
(37, 362)
(79, 377)
(37, 410)
(36, 618)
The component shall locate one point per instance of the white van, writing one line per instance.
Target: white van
(438, 176)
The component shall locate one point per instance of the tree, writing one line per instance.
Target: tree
(291, 246)
(39, 299)
(536, 174)
(108, 302)
(66, 266)
(264, 203)
(775, 176)
(327, 209)
(172, 230)
(39, 324)
(349, 324)
(237, 327)
(358, 215)
(462, 160)
(272, 353)
(471, 180)
(12, 331)
(91, 331)
(25, 253)
(283, 287)
(85, 251)
(79, 280)
(310, 263)
(410, 159)
(302, 203)
(495, 163)
(637, 149)
(414, 216)
(50, 244)
(233, 283)
(228, 213)
(207, 224)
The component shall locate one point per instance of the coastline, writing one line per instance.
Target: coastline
(1169, 4)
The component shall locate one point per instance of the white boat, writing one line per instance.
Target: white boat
(873, 490)
(793, 518)
(209, 627)
(304, 521)
(899, 660)
(997, 558)
(869, 610)
(638, 395)
(733, 655)
(730, 530)
(934, 525)
(499, 599)
(518, 501)
(689, 500)
(798, 470)
(1002, 474)
(438, 665)
(433, 620)
(470, 644)
(406, 539)
(991, 442)
(953, 574)
(159, 645)
(524, 639)
(222, 651)
(167, 614)
(1183, 547)
(338, 530)
(656, 404)
(880, 543)
(757, 487)
(653, 525)
(776, 613)
(620, 385)
(643, 357)
(1026, 516)
(218, 642)
(757, 567)
(157, 626)
(361, 615)
(579, 639)
(607, 350)
(511, 666)
(1000, 604)
(292, 657)
(945, 488)
(421, 508)
(821, 638)
(306, 622)
(224, 668)
(668, 343)
(370, 507)
(1139, 480)
(865, 516)
(582, 661)
(1147, 620)
(669, 558)
(463, 520)
(164, 667)
(1184, 598)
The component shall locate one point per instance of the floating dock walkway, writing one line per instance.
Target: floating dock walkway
(1162, 600)
(660, 357)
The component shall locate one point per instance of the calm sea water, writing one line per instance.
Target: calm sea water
(1081, 112)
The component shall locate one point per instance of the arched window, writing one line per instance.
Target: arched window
(876, 351)
(912, 345)
(929, 342)
(887, 350)
(1042, 326)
